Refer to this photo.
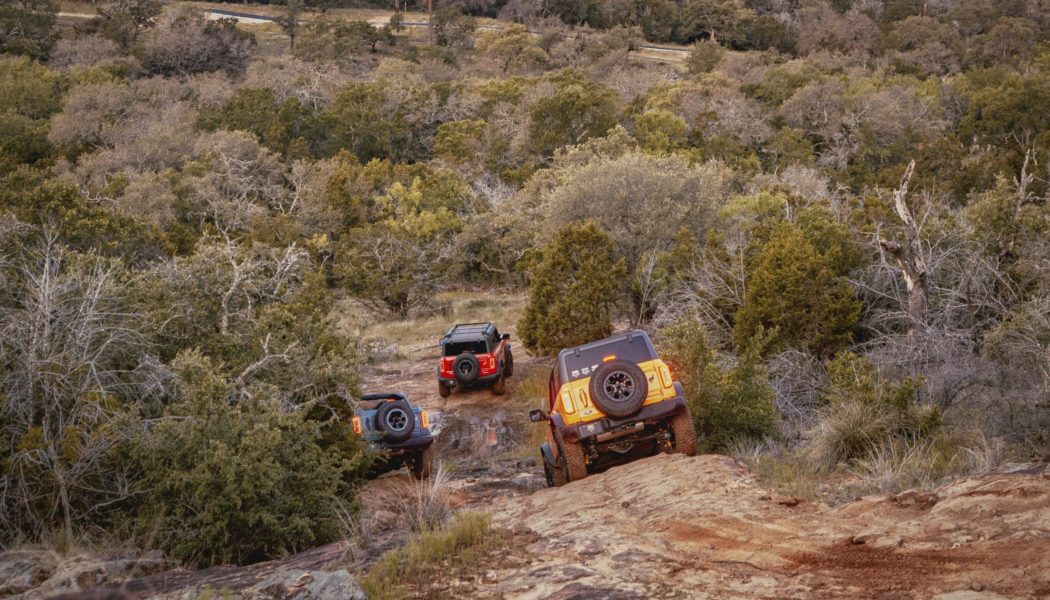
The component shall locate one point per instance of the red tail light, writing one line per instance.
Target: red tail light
(446, 367)
(357, 425)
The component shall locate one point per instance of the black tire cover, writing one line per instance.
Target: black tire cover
(618, 388)
(396, 420)
(466, 368)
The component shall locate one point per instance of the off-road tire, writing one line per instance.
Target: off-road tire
(618, 388)
(423, 464)
(555, 475)
(466, 368)
(508, 364)
(572, 460)
(444, 391)
(396, 420)
(500, 386)
(684, 434)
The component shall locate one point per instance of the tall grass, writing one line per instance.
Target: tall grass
(859, 448)
(901, 464)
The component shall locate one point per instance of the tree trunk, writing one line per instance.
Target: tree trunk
(909, 255)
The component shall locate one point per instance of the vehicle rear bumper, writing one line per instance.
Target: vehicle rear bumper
(483, 379)
(651, 413)
(412, 443)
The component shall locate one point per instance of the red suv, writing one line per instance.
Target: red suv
(474, 354)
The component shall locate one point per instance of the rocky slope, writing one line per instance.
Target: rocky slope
(678, 527)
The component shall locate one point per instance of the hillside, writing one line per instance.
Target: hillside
(223, 223)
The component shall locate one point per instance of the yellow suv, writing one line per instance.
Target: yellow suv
(610, 402)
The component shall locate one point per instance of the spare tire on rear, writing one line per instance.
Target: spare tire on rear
(618, 388)
(466, 368)
(396, 420)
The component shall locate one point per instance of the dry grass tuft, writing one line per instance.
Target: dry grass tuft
(781, 469)
(848, 431)
(424, 504)
(460, 545)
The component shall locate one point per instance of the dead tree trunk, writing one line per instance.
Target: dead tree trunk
(909, 255)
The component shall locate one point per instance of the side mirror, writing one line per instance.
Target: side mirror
(538, 415)
(504, 336)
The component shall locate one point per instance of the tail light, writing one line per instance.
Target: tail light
(357, 425)
(566, 402)
(665, 376)
(424, 419)
(446, 367)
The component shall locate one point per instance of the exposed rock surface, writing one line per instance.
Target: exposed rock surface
(314, 574)
(672, 526)
(34, 574)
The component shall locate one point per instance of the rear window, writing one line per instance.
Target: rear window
(457, 348)
(589, 359)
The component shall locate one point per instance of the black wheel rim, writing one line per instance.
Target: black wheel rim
(465, 368)
(619, 386)
(397, 420)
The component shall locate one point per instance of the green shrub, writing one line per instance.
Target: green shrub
(728, 405)
(237, 480)
(576, 281)
(795, 292)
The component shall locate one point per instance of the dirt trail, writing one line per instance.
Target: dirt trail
(678, 527)
(480, 436)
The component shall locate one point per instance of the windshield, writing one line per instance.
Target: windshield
(457, 348)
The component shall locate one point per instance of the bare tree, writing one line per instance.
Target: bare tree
(67, 353)
(910, 256)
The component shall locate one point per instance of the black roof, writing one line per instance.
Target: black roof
(634, 346)
(467, 332)
(384, 396)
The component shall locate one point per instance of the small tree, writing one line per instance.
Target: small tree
(67, 355)
(578, 110)
(704, 57)
(576, 282)
(453, 28)
(794, 290)
(513, 49)
(124, 20)
(289, 21)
